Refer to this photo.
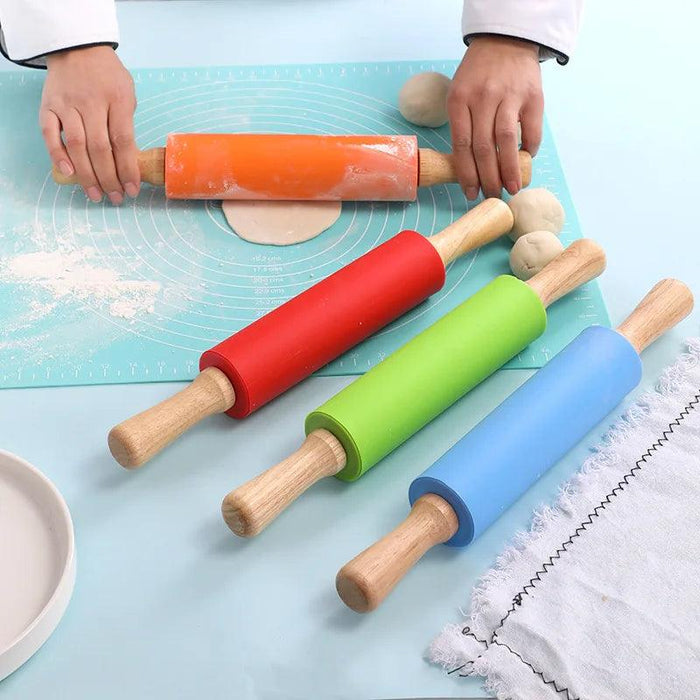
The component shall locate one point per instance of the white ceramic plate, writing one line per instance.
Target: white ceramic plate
(37, 560)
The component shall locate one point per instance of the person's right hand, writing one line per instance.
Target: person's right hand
(89, 96)
(497, 85)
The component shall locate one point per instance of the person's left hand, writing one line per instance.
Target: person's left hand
(497, 85)
(89, 99)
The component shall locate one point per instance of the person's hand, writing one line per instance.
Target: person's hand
(89, 96)
(497, 85)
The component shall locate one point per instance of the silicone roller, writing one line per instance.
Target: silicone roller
(276, 351)
(371, 417)
(296, 167)
(472, 484)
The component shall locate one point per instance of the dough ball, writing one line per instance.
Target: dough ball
(536, 210)
(423, 99)
(532, 252)
(279, 223)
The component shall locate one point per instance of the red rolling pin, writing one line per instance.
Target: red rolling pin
(266, 358)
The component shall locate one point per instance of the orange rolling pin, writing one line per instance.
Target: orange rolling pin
(289, 343)
(296, 167)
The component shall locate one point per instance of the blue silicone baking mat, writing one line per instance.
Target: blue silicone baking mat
(94, 294)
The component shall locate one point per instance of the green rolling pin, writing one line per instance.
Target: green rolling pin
(380, 410)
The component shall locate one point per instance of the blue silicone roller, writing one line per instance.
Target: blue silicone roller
(487, 470)
(495, 463)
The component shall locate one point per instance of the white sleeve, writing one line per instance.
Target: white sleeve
(30, 29)
(553, 24)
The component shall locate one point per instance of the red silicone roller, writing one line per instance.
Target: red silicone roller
(307, 332)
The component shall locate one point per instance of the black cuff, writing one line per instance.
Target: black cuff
(40, 60)
(562, 59)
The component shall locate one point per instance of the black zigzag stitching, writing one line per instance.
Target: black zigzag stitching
(466, 631)
(552, 682)
(546, 566)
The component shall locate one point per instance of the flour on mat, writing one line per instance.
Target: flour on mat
(39, 310)
(72, 274)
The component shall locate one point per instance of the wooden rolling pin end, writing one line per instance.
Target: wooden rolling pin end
(239, 516)
(481, 225)
(525, 167)
(581, 262)
(137, 439)
(124, 448)
(667, 304)
(250, 508)
(367, 580)
(151, 165)
(60, 179)
(438, 168)
(355, 591)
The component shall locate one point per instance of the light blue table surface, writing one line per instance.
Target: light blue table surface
(167, 603)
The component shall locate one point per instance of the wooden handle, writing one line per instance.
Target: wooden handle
(581, 262)
(151, 164)
(137, 439)
(484, 223)
(250, 508)
(364, 582)
(436, 168)
(668, 303)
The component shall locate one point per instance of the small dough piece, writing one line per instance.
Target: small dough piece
(279, 223)
(423, 99)
(532, 252)
(536, 210)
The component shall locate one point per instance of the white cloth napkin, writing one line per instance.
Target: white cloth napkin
(601, 599)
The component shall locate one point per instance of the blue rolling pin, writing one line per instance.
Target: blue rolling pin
(484, 473)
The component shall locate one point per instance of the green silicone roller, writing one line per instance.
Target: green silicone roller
(380, 410)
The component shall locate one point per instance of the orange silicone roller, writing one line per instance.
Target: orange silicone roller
(286, 166)
(296, 167)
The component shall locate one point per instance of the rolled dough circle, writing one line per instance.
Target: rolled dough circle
(423, 99)
(536, 210)
(279, 223)
(532, 252)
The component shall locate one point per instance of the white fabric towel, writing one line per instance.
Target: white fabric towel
(601, 599)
